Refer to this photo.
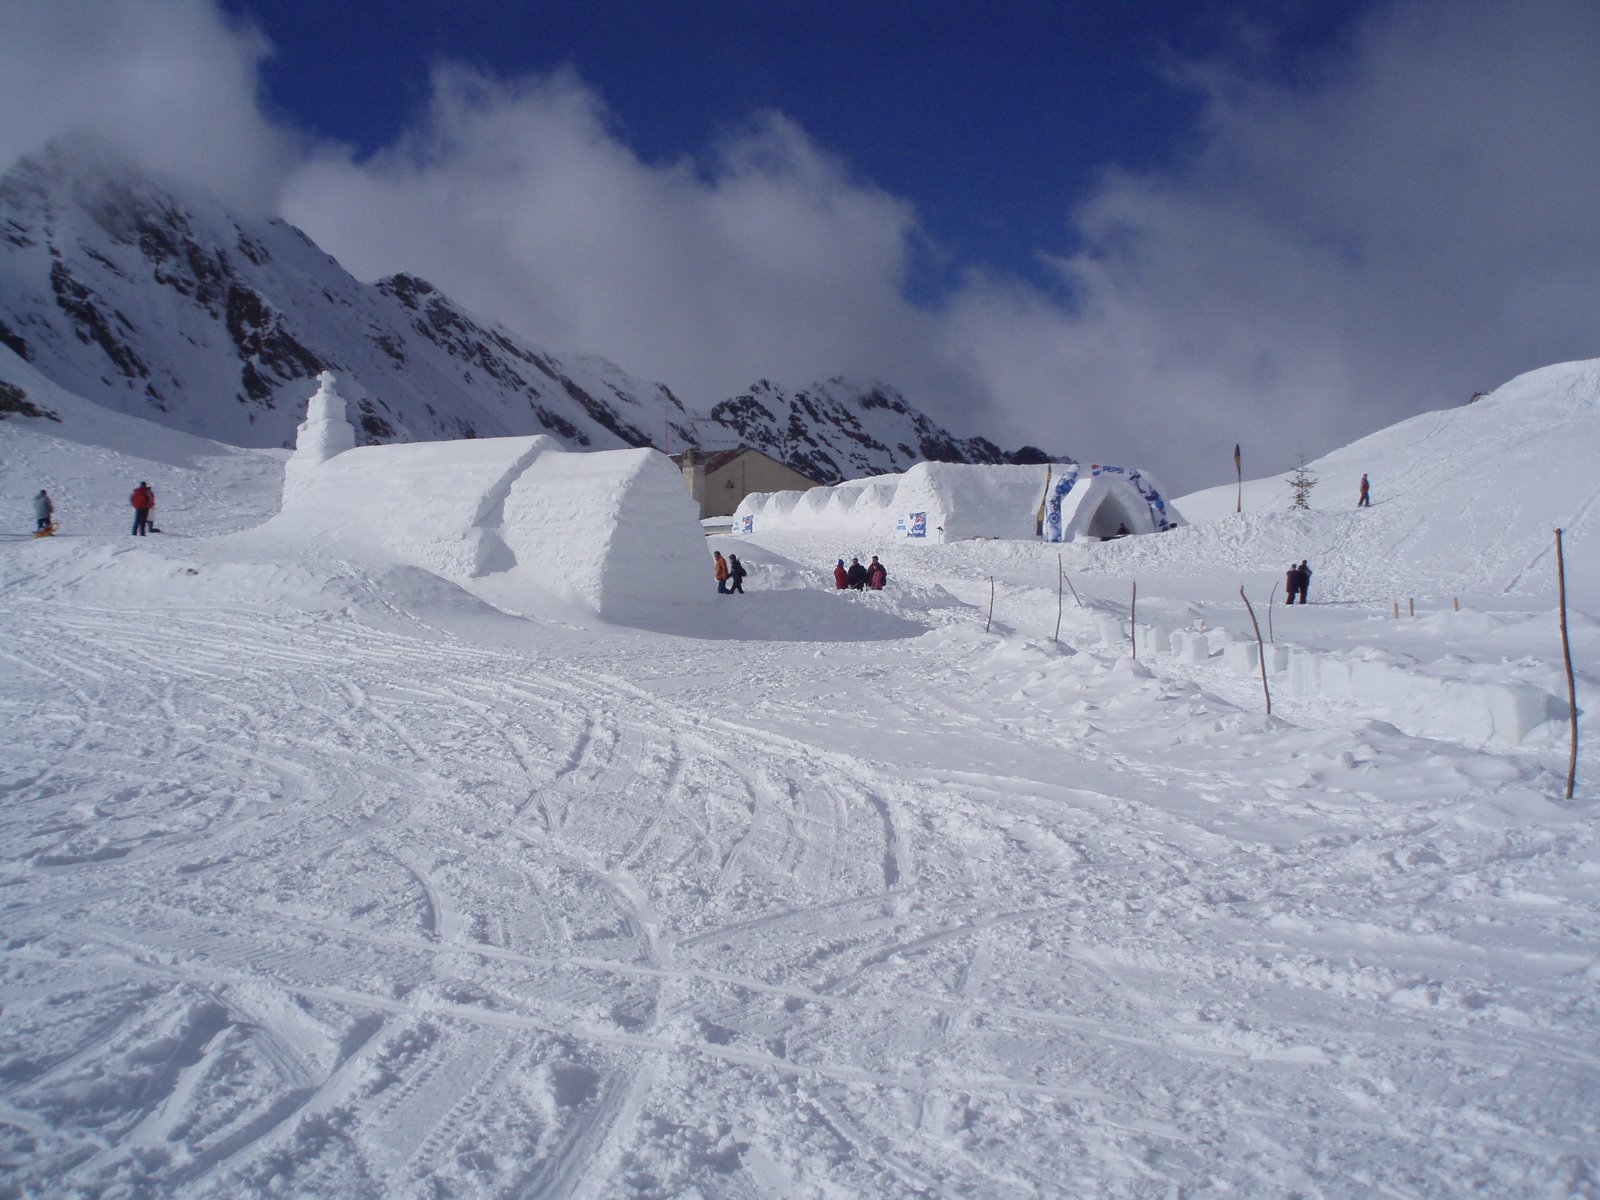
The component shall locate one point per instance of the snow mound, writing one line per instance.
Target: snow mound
(949, 502)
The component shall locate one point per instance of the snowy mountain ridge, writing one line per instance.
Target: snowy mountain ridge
(153, 300)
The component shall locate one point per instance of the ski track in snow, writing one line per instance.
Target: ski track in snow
(334, 911)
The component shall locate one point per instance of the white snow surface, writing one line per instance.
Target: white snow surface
(324, 876)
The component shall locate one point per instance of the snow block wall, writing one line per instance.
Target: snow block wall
(614, 530)
(512, 518)
(947, 502)
(1417, 699)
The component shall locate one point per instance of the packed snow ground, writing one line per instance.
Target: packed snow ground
(322, 878)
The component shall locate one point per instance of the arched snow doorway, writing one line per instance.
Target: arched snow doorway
(1111, 514)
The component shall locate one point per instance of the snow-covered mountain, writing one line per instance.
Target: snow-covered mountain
(843, 430)
(152, 299)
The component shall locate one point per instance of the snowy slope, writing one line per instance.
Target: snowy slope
(1463, 500)
(150, 298)
(321, 877)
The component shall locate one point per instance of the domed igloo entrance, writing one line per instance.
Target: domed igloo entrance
(1105, 502)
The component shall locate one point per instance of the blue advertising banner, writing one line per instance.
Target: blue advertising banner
(1052, 508)
(747, 524)
(918, 525)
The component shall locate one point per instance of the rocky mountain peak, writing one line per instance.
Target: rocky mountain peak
(151, 298)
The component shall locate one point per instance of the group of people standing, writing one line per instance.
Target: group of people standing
(856, 577)
(143, 500)
(1298, 581)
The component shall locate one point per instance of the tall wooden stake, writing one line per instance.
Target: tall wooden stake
(1061, 575)
(1566, 653)
(1261, 650)
(990, 621)
(1238, 469)
(1133, 620)
(1271, 637)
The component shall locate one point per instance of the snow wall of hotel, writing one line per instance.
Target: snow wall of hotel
(947, 502)
(511, 519)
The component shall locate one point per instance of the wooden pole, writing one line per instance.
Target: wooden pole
(990, 621)
(1133, 621)
(1061, 574)
(1075, 595)
(1411, 606)
(1261, 650)
(1566, 653)
(1397, 610)
(1456, 602)
(1238, 470)
(1270, 635)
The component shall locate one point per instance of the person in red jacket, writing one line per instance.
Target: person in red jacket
(841, 578)
(143, 500)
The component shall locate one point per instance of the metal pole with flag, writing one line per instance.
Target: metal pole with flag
(1238, 469)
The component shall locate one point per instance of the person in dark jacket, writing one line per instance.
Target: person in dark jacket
(1291, 583)
(1365, 500)
(841, 577)
(736, 574)
(43, 511)
(1305, 582)
(856, 575)
(143, 500)
(877, 574)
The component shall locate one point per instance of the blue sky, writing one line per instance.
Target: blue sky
(1133, 231)
(991, 119)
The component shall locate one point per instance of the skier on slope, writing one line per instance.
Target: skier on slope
(143, 500)
(43, 511)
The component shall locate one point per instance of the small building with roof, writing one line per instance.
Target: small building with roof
(719, 480)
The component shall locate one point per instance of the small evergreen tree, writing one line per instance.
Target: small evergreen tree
(1301, 483)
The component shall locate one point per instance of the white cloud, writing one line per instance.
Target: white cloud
(169, 82)
(1414, 223)
(521, 199)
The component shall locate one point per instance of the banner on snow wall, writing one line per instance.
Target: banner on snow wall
(1052, 508)
(911, 525)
